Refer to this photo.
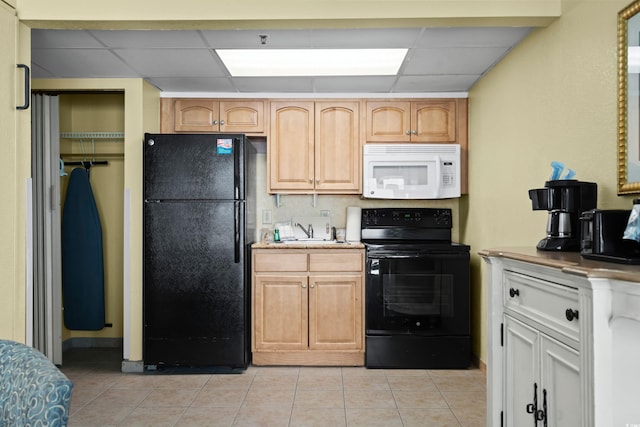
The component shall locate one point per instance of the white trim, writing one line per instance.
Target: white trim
(29, 261)
(126, 332)
(312, 95)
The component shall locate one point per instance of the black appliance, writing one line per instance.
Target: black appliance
(601, 236)
(565, 199)
(417, 290)
(199, 222)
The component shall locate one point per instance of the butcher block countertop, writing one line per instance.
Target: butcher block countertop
(303, 245)
(568, 262)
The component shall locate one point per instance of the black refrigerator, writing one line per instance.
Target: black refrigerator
(199, 223)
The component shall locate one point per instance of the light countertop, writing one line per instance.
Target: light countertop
(303, 245)
(568, 262)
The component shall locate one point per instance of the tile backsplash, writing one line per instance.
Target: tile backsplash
(296, 205)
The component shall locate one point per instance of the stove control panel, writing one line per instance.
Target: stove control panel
(407, 218)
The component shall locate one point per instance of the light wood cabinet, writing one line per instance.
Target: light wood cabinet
(412, 121)
(212, 115)
(314, 147)
(313, 317)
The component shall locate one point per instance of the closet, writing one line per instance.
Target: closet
(92, 137)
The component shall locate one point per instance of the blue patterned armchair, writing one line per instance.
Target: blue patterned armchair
(33, 391)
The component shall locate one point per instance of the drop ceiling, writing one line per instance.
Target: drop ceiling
(450, 59)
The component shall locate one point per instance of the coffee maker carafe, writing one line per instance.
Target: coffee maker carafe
(565, 199)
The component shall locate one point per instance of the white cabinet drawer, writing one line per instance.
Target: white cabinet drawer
(550, 304)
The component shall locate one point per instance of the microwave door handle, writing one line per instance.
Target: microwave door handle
(438, 176)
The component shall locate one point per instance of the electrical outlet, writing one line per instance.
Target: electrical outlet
(266, 216)
(325, 213)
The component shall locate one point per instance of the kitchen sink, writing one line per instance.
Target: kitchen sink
(310, 242)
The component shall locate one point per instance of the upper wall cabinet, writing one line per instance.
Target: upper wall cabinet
(314, 147)
(212, 115)
(412, 121)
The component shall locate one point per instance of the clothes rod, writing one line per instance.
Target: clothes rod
(92, 135)
(87, 163)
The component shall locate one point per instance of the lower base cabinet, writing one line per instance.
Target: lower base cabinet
(542, 378)
(307, 307)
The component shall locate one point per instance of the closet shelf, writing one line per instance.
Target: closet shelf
(92, 135)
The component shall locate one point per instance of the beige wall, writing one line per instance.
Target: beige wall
(552, 98)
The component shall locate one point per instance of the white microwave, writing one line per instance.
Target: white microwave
(411, 171)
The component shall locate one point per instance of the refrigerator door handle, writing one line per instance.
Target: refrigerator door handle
(236, 168)
(236, 232)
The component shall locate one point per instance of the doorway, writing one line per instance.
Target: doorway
(89, 135)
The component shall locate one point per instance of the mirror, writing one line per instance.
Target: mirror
(629, 99)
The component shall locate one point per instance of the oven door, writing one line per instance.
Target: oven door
(418, 292)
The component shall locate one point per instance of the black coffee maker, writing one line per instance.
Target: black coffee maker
(565, 199)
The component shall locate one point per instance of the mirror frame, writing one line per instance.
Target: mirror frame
(624, 186)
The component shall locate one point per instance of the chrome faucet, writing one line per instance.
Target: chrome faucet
(308, 231)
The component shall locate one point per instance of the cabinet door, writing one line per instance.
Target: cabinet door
(521, 372)
(280, 314)
(388, 121)
(337, 146)
(335, 312)
(196, 115)
(291, 146)
(433, 121)
(242, 116)
(561, 382)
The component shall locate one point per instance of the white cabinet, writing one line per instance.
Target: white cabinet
(542, 378)
(535, 309)
(563, 340)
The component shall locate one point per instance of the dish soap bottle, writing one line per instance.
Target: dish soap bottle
(276, 235)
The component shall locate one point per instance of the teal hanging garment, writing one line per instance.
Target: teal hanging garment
(82, 258)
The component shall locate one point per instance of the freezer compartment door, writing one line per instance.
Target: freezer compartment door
(195, 166)
(195, 294)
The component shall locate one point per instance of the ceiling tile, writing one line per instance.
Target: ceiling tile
(273, 84)
(471, 37)
(81, 63)
(364, 38)
(149, 39)
(172, 62)
(354, 84)
(250, 39)
(41, 39)
(452, 60)
(193, 84)
(458, 83)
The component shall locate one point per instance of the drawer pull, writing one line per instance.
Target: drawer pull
(514, 292)
(571, 314)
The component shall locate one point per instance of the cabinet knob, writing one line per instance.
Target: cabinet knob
(571, 314)
(415, 132)
(215, 122)
(514, 292)
(304, 285)
(311, 285)
(407, 132)
(221, 122)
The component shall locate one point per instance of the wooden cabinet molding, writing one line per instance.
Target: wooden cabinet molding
(213, 115)
(315, 317)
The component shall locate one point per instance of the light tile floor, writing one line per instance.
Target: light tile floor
(271, 396)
